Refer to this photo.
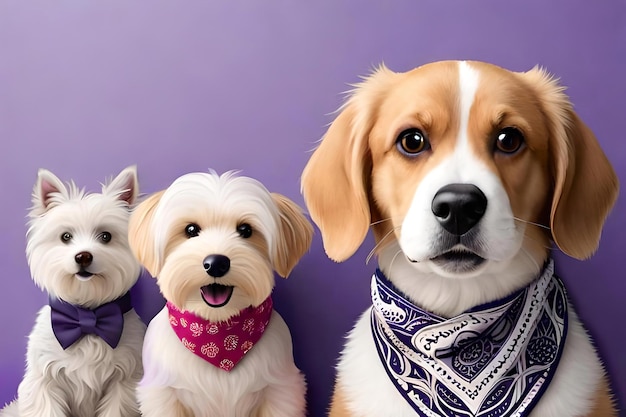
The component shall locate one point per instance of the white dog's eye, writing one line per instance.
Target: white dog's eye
(66, 237)
(509, 140)
(105, 237)
(412, 142)
(192, 230)
(244, 230)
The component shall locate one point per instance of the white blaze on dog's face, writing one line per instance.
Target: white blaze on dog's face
(466, 162)
(77, 242)
(214, 241)
(467, 172)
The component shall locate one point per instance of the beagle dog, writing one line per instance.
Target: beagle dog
(466, 173)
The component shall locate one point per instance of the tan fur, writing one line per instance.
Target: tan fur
(296, 234)
(355, 178)
(605, 404)
(586, 186)
(338, 407)
(139, 235)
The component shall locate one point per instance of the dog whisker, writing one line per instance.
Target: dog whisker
(543, 226)
(379, 244)
(381, 221)
(398, 252)
(530, 258)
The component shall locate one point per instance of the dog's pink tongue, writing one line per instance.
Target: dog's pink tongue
(216, 295)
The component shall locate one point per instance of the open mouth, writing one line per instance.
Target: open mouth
(216, 295)
(458, 261)
(84, 275)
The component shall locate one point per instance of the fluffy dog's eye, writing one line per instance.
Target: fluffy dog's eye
(509, 140)
(244, 230)
(412, 142)
(66, 237)
(105, 237)
(192, 230)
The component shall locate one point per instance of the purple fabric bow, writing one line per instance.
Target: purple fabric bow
(71, 322)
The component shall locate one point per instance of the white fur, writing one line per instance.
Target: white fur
(89, 378)
(361, 377)
(364, 381)
(266, 381)
(267, 375)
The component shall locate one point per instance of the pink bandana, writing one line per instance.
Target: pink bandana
(222, 344)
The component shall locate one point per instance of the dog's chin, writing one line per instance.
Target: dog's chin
(84, 276)
(458, 263)
(216, 302)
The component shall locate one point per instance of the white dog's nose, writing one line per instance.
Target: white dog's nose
(216, 265)
(84, 259)
(458, 207)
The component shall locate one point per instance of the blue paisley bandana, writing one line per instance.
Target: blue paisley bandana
(495, 360)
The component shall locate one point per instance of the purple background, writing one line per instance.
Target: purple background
(87, 88)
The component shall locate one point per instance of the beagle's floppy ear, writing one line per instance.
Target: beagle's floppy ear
(296, 233)
(335, 181)
(141, 236)
(585, 185)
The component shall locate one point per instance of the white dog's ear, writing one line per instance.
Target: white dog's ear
(296, 233)
(335, 181)
(48, 189)
(141, 234)
(125, 185)
(585, 185)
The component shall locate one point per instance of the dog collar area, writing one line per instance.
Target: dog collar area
(222, 344)
(71, 322)
(495, 359)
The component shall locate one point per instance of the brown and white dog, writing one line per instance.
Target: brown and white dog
(467, 173)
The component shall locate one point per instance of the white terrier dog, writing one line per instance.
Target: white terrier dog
(84, 353)
(213, 242)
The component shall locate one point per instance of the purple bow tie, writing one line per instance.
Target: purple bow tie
(70, 322)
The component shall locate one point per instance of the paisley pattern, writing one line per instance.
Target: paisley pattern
(495, 360)
(222, 344)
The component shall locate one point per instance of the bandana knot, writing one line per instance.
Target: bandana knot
(222, 344)
(71, 322)
(494, 360)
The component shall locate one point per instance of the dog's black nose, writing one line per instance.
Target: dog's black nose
(84, 259)
(216, 265)
(458, 207)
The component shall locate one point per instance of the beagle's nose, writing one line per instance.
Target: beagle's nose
(216, 265)
(458, 207)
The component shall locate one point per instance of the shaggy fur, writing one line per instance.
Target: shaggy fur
(89, 378)
(177, 383)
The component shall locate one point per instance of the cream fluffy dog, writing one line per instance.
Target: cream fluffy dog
(467, 173)
(214, 243)
(84, 353)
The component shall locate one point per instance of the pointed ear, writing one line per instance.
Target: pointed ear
(296, 233)
(335, 181)
(125, 185)
(46, 186)
(141, 234)
(585, 185)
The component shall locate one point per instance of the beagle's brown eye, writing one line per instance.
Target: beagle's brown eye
(509, 140)
(412, 142)
(192, 230)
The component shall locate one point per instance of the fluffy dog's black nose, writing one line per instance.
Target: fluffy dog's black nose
(84, 259)
(458, 207)
(216, 265)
